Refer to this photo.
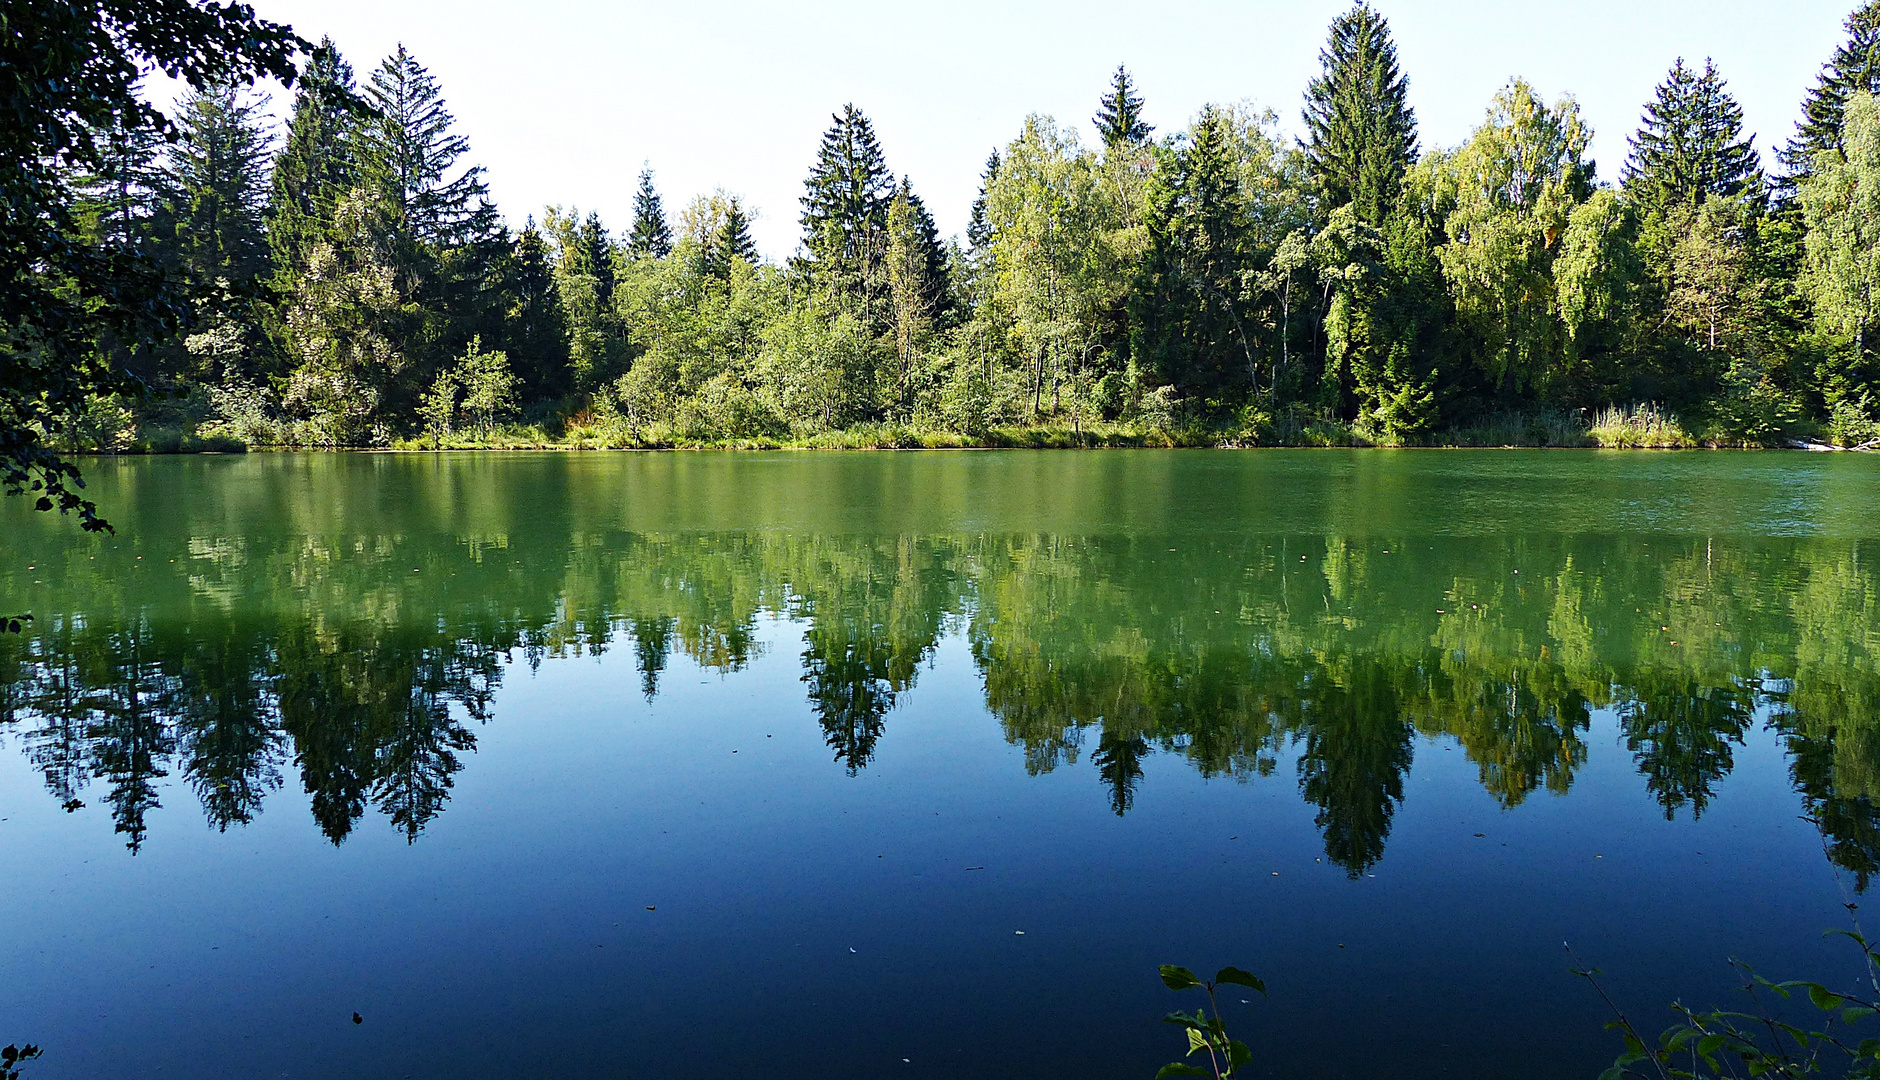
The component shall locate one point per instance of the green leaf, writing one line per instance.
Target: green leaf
(1710, 1044)
(1197, 1041)
(1177, 1068)
(1855, 1012)
(1238, 1055)
(1195, 1023)
(1617, 1072)
(1825, 1001)
(1178, 978)
(1237, 977)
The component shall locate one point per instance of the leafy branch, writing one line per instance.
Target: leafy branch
(1226, 1056)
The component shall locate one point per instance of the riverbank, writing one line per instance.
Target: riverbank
(1643, 427)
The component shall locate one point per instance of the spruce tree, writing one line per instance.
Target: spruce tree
(597, 251)
(734, 235)
(408, 154)
(845, 212)
(534, 333)
(650, 237)
(1361, 134)
(1690, 143)
(218, 172)
(315, 166)
(1119, 114)
(978, 228)
(1855, 66)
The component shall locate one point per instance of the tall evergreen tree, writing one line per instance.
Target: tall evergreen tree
(1361, 134)
(409, 156)
(1854, 67)
(978, 228)
(1690, 143)
(597, 251)
(315, 166)
(218, 174)
(845, 211)
(651, 237)
(734, 235)
(534, 334)
(1119, 115)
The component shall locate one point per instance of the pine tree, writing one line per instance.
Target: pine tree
(1689, 145)
(218, 173)
(1119, 114)
(1361, 134)
(845, 212)
(315, 167)
(408, 154)
(651, 237)
(1854, 67)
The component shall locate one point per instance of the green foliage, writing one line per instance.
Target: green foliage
(1227, 1057)
(1690, 144)
(1361, 134)
(69, 73)
(1761, 1039)
(650, 236)
(1119, 115)
(1854, 68)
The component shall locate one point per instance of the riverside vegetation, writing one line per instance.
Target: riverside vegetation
(349, 284)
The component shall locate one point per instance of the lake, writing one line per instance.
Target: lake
(918, 764)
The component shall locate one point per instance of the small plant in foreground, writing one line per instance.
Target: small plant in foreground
(1724, 1043)
(10, 1059)
(1226, 1057)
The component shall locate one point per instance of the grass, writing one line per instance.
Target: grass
(1643, 426)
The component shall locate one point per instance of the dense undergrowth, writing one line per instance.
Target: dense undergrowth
(198, 425)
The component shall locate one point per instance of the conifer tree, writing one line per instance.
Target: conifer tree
(597, 252)
(315, 166)
(978, 228)
(733, 240)
(845, 212)
(1119, 115)
(1854, 67)
(408, 155)
(1361, 134)
(218, 177)
(1690, 143)
(650, 237)
(535, 336)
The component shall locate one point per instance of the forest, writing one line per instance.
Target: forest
(351, 284)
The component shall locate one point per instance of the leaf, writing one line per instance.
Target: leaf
(1177, 1068)
(1710, 1044)
(1193, 1022)
(1197, 1041)
(1238, 1055)
(1178, 978)
(1236, 977)
(1855, 1012)
(1617, 1072)
(1822, 998)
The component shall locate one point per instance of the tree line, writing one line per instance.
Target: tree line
(350, 283)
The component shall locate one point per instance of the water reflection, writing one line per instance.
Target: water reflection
(361, 671)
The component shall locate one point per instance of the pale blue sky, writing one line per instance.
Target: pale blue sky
(563, 99)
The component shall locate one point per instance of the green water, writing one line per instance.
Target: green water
(1401, 720)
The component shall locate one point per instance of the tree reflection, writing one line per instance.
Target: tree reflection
(1231, 656)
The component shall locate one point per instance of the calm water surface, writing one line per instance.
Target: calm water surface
(865, 765)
